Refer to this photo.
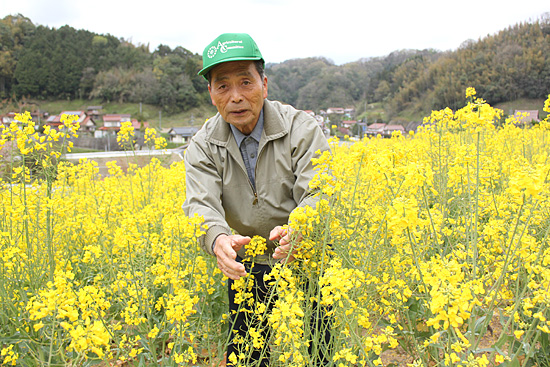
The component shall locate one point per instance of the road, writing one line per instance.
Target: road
(122, 154)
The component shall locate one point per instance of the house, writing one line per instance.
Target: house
(139, 125)
(9, 117)
(38, 117)
(112, 124)
(87, 124)
(375, 129)
(526, 116)
(50, 121)
(182, 134)
(335, 110)
(94, 112)
(390, 129)
(114, 120)
(349, 112)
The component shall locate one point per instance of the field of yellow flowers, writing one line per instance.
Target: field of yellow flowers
(428, 245)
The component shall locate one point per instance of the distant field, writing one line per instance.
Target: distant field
(522, 104)
(196, 116)
(193, 117)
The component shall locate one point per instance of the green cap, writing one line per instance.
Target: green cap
(229, 47)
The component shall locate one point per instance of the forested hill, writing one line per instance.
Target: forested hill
(512, 64)
(44, 63)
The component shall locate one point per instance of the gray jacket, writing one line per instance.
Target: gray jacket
(218, 187)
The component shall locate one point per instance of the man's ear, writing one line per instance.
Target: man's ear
(265, 87)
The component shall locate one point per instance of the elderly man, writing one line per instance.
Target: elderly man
(248, 168)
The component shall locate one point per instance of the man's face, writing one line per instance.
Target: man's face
(238, 92)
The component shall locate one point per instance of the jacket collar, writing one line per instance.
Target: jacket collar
(256, 133)
(274, 127)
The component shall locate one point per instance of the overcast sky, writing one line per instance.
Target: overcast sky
(341, 30)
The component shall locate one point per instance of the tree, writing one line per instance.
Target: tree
(14, 32)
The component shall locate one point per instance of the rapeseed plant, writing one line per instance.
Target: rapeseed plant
(424, 242)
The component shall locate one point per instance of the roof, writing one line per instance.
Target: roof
(184, 131)
(83, 118)
(116, 117)
(57, 118)
(376, 126)
(394, 127)
(78, 113)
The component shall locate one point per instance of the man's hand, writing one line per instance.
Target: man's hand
(283, 235)
(226, 248)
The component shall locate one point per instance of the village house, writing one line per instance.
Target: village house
(182, 134)
(112, 123)
(384, 130)
(9, 117)
(349, 112)
(87, 124)
(335, 110)
(94, 112)
(391, 128)
(526, 116)
(138, 126)
(375, 129)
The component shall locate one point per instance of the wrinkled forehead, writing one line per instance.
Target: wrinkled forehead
(233, 69)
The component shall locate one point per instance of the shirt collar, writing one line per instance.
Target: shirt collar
(256, 134)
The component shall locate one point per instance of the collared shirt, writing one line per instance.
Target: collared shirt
(248, 144)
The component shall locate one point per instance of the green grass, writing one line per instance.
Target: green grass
(410, 116)
(373, 112)
(522, 104)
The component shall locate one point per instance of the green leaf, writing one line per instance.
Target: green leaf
(479, 324)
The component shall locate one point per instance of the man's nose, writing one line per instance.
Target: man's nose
(236, 95)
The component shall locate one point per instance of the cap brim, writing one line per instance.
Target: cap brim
(205, 70)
